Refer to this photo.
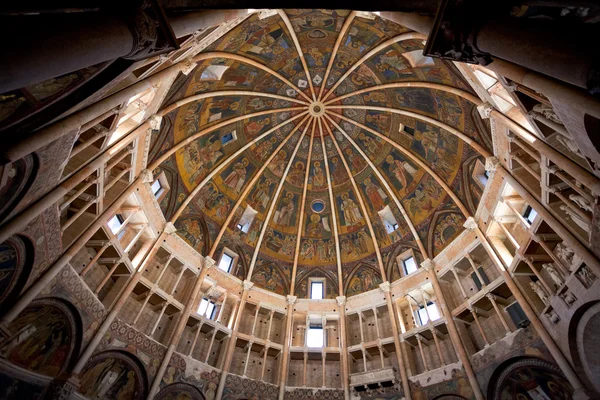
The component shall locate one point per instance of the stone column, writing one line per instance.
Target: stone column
(437, 346)
(554, 350)
(419, 342)
(287, 342)
(452, 330)
(474, 268)
(492, 299)
(341, 301)
(462, 289)
(386, 289)
(208, 264)
(476, 319)
(529, 262)
(231, 345)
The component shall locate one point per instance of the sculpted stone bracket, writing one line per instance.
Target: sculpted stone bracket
(454, 31)
(152, 33)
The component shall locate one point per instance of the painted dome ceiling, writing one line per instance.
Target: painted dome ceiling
(304, 160)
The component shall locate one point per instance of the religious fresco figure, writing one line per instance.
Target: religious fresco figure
(235, 180)
(350, 211)
(313, 228)
(111, 376)
(376, 195)
(425, 144)
(318, 178)
(43, 339)
(284, 214)
(338, 172)
(399, 170)
(296, 174)
(261, 195)
(254, 127)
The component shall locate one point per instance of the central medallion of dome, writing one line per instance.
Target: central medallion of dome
(333, 106)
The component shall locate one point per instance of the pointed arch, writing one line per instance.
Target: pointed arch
(362, 278)
(270, 276)
(331, 281)
(444, 227)
(193, 229)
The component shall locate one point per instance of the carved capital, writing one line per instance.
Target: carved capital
(385, 287)
(470, 224)
(147, 176)
(341, 300)
(155, 122)
(485, 110)
(512, 87)
(150, 31)
(491, 164)
(209, 262)
(248, 285)
(553, 169)
(552, 189)
(170, 228)
(491, 297)
(428, 265)
(291, 300)
(188, 66)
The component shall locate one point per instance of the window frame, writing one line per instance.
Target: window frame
(121, 221)
(164, 183)
(313, 328)
(313, 281)
(209, 303)
(400, 259)
(234, 258)
(527, 214)
(480, 175)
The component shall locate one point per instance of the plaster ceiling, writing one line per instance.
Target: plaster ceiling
(360, 158)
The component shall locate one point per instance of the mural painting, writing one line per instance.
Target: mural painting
(364, 279)
(13, 271)
(45, 337)
(179, 391)
(113, 375)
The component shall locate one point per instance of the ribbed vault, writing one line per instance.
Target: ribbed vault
(331, 127)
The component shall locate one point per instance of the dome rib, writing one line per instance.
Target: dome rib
(274, 201)
(385, 183)
(302, 206)
(294, 37)
(427, 169)
(336, 47)
(253, 181)
(361, 202)
(476, 146)
(249, 61)
(338, 256)
(371, 53)
(229, 159)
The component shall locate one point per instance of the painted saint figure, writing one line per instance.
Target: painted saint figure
(350, 210)
(235, 180)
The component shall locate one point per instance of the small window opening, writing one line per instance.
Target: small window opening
(529, 214)
(316, 290)
(388, 219)
(314, 336)
(228, 138)
(207, 308)
(517, 315)
(432, 309)
(409, 265)
(156, 188)
(246, 219)
(476, 280)
(115, 223)
(226, 263)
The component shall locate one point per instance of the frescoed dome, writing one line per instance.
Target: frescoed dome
(332, 143)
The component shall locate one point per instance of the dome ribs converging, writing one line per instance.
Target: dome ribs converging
(229, 160)
(394, 137)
